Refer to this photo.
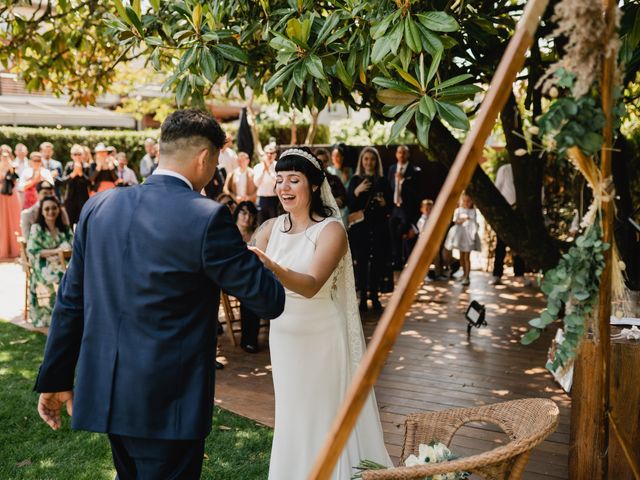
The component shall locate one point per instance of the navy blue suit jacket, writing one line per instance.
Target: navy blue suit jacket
(410, 209)
(135, 315)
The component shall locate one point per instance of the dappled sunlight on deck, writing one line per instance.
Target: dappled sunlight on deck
(434, 366)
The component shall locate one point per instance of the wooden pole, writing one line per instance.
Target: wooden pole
(429, 242)
(590, 420)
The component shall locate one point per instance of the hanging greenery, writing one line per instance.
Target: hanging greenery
(572, 128)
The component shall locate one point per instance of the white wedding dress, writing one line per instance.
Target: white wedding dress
(312, 346)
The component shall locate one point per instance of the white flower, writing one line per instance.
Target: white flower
(521, 152)
(553, 92)
(412, 461)
(533, 130)
(441, 452)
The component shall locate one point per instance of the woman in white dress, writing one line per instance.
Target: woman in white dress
(317, 343)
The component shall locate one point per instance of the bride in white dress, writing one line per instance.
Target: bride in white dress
(317, 343)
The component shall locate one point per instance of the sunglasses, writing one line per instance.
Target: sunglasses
(76, 154)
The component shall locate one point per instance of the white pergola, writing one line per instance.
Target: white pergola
(37, 111)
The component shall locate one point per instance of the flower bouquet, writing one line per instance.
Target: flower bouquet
(434, 452)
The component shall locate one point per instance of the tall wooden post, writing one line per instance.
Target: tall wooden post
(589, 416)
(413, 275)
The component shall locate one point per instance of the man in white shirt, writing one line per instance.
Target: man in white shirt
(22, 160)
(126, 176)
(150, 160)
(264, 177)
(228, 158)
(504, 183)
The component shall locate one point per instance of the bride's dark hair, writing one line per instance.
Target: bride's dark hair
(315, 176)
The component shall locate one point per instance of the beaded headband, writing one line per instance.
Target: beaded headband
(301, 153)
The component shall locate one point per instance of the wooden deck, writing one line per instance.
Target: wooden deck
(434, 367)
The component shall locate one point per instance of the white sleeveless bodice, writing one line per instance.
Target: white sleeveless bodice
(310, 365)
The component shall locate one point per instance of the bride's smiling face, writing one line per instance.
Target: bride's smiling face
(293, 191)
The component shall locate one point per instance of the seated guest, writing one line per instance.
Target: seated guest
(31, 177)
(239, 183)
(76, 178)
(245, 217)
(227, 200)
(29, 216)
(126, 176)
(48, 238)
(104, 175)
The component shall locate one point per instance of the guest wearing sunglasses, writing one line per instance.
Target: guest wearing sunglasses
(49, 238)
(76, 178)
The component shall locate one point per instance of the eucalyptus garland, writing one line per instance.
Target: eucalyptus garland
(572, 289)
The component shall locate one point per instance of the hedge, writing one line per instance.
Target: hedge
(129, 141)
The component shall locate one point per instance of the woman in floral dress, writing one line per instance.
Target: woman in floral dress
(48, 237)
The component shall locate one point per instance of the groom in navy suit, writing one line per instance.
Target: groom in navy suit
(135, 325)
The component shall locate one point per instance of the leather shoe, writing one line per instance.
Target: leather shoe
(250, 348)
(375, 303)
(363, 306)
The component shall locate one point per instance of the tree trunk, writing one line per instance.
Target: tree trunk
(251, 119)
(313, 127)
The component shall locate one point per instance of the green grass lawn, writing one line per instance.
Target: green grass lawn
(237, 448)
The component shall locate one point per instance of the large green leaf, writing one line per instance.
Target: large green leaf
(379, 29)
(380, 49)
(182, 91)
(395, 37)
(430, 41)
(314, 66)
(412, 35)
(452, 81)
(232, 53)
(452, 114)
(208, 64)
(278, 77)
(530, 337)
(439, 21)
(400, 124)
(393, 84)
(459, 92)
(427, 106)
(342, 74)
(395, 97)
(135, 21)
(409, 78)
(423, 123)
(433, 68)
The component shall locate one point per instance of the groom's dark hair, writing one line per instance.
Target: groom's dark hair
(190, 128)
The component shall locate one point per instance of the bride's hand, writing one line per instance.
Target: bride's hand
(270, 264)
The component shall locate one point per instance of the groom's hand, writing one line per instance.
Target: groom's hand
(50, 404)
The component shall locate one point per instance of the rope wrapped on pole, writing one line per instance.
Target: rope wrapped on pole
(428, 243)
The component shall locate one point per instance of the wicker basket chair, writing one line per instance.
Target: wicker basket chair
(527, 423)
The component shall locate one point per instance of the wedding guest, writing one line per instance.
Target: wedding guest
(104, 176)
(9, 208)
(49, 237)
(239, 183)
(21, 160)
(29, 216)
(463, 235)
(369, 199)
(264, 177)
(111, 153)
(228, 201)
(228, 159)
(51, 164)
(76, 178)
(88, 157)
(149, 161)
(31, 177)
(245, 217)
(126, 176)
(338, 168)
(504, 183)
(443, 257)
(402, 178)
(337, 187)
